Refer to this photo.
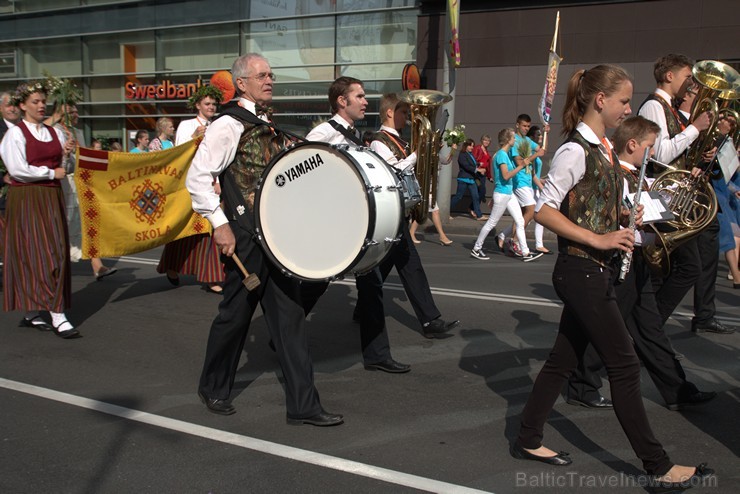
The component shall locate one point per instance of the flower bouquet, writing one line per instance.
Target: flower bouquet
(64, 92)
(455, 135)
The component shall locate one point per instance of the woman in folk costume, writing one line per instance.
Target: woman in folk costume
(37, 270)
(197, 254)
(581, 203)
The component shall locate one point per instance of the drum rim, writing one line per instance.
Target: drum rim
(372, 207)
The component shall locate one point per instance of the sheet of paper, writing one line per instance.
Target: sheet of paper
(655, 209)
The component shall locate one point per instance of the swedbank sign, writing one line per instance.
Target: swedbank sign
(163, 90)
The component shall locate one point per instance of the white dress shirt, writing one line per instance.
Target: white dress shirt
(324, 132)
(641, 237)
(667, 149)
(186, 129)
(387, 155)
(215, 153)
(13, 152)
(568, 167)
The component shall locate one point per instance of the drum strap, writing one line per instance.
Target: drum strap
(238, 209)
(234, 110)
(345, 132)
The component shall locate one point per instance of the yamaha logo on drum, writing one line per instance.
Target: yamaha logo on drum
(299, 170)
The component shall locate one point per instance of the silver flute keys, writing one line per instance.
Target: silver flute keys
(627, 257)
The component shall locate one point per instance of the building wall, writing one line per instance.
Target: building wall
(103, 45)
(504, 53)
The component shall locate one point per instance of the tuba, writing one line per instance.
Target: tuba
(424, 104)
(719, 86)
(692, 200)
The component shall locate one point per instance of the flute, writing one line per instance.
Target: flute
(627, 258)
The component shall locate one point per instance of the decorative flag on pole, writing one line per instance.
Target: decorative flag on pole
(551, 79)
(131, 202)
(453, 7)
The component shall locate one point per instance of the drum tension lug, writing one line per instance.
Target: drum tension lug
(389, 240)
(376, 188)
(370, 242)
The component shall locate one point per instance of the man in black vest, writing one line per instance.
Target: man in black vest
(10, 117)
(236, 148)
(673, 77)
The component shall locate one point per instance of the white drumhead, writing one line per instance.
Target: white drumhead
(313, 211)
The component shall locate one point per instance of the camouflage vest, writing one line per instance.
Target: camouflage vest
(257, 146)
(674, 127)
(594, 203)
(393, 143)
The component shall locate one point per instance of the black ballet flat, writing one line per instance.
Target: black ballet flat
(702, 472)
(560, 460)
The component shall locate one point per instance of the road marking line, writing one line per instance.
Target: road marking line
(493, 297)
(259, 445)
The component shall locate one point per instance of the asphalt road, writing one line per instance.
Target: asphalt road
(116, 410)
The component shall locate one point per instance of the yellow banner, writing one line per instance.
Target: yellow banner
(132, 202)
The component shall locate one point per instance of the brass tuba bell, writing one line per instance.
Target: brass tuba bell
(719, 86)
(424, 104)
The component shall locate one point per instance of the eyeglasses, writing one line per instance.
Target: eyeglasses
(261, 76)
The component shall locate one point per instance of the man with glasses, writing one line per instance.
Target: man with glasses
(237, 147)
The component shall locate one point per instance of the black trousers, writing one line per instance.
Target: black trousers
(636, 300)
(405, 258)
(591, 315)
(685, 270)
(280, 298)
(704, 288)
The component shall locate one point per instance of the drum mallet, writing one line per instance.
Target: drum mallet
(250, 281)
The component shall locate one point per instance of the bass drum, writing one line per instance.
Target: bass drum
(325, 210)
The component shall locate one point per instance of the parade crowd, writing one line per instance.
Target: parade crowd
(606, 322)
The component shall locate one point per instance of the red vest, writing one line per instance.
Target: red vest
(38, 153)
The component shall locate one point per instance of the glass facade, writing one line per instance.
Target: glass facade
(117, 51)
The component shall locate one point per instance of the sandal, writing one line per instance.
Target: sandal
(174, 280)
(37, 323)
(217, 289)
(66, 333)
(104, 271)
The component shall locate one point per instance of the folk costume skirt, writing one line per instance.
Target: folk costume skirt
(197, 255)
(36, 275)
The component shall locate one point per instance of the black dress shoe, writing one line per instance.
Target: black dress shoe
(561, 459)
(217, 406)
(389, 365)
(660, 487)
(712, 326)
(698, 398)
(600, 403)
(322, 419)
(36, 323)
(438, 327)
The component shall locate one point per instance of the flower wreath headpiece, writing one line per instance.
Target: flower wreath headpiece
(203, 92)
(26, 89)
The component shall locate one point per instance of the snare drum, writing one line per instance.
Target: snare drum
(324, 210)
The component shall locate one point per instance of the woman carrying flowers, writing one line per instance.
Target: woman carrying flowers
(37, 270)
